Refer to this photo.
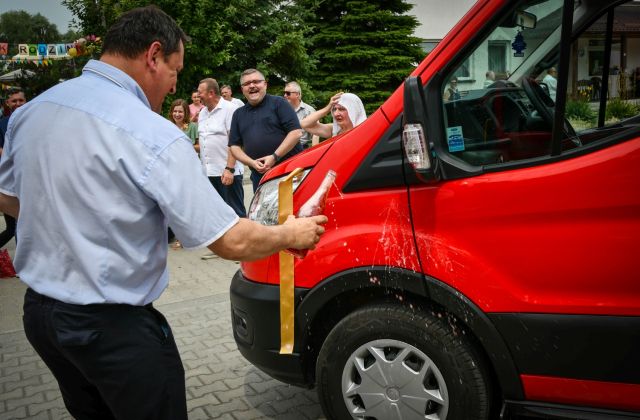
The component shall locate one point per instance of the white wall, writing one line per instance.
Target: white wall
(633, 54)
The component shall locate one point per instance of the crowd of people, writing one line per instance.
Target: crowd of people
(228, 134)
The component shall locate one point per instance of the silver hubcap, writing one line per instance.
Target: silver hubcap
(390, 379)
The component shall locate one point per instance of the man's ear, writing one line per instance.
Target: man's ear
(153, 54)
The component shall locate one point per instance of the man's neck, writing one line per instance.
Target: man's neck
(214, 103)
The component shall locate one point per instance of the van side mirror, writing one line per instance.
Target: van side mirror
(416, 148)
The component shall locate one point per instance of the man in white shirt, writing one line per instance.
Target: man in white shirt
(222, 168)
(551, 82)
(489, 79)
(226, 93)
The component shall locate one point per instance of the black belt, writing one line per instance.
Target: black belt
(46, 299)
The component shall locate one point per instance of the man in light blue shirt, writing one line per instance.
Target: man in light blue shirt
(95, 190)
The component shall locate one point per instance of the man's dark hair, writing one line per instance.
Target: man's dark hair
(13, 91)
(251, 71)
(138, 28)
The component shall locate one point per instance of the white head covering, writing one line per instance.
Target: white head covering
(354, 107)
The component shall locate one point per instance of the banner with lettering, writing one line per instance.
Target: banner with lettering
(41, 50)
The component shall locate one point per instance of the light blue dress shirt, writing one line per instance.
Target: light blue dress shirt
(99, 176)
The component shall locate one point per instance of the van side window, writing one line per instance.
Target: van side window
(504, 112)
(590, 81)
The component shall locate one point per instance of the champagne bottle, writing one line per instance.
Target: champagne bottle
(314, 206)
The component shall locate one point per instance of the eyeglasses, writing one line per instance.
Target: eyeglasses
(287, 93)
(252, 82)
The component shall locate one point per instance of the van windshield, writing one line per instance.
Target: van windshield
(500, 100)
(511, 51)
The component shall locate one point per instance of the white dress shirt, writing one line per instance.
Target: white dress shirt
(237, 102)
(213, 135)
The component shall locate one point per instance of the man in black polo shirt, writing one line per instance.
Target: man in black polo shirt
(265, 130)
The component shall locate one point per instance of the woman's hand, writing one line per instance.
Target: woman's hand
(334, 100)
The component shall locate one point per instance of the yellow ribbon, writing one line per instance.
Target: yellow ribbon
(285, 208)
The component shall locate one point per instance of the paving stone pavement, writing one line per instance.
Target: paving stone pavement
(221, 384)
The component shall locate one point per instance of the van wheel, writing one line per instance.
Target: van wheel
(388, 362)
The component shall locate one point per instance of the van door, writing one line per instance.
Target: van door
(542, 232)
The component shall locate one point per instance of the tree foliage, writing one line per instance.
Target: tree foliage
(94, 16)
(20, 27)
(227, 37)
(363, 47)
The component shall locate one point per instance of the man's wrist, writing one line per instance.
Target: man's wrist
(232, 170)
(275, 156)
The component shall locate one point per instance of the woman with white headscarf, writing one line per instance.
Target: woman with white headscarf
(347, 112)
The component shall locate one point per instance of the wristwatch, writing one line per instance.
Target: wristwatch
(276, 157)
(232, 170)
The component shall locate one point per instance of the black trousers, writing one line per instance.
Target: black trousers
(10, 230)
(232, 194)
(111, 361)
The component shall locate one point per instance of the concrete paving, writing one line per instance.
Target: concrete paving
(221, 384)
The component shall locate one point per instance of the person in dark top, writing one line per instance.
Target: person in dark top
(15, 99)
(265, 130)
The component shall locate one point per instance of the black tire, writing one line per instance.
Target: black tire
(432, 347)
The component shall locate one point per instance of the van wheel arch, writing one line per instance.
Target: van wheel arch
(443, 372)
(334, 298)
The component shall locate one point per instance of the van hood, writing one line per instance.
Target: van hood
(305, 159)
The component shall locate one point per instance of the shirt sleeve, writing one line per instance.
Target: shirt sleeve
(7, 179)
(228, 119)
(192, 132)
(195, 211)
(234, 135)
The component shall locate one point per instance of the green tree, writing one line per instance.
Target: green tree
(93, 16)
(20, 27)
(227, 37)
(70, 36)
(363, 47)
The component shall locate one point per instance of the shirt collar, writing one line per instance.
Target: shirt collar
(262, 102)
(301, 106)
(117, 77)
(222, 103)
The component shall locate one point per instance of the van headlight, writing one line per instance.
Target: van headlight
(264, 206)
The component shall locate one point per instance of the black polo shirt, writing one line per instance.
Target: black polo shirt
(260, 129)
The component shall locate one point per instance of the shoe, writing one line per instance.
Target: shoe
(176, 245)
(208, 256)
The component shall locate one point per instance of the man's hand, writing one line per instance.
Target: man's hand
(306, 230)
(226, 178)
(258, 165)
(268, 162)
(248, 240)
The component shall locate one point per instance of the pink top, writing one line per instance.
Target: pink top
(194, 110)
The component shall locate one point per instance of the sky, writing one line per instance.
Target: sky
(51, 9)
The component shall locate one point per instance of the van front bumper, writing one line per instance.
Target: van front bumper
(255, 317)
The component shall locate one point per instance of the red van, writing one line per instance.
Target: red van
(482, 255)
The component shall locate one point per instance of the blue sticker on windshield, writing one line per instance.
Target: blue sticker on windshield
(455, 139)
